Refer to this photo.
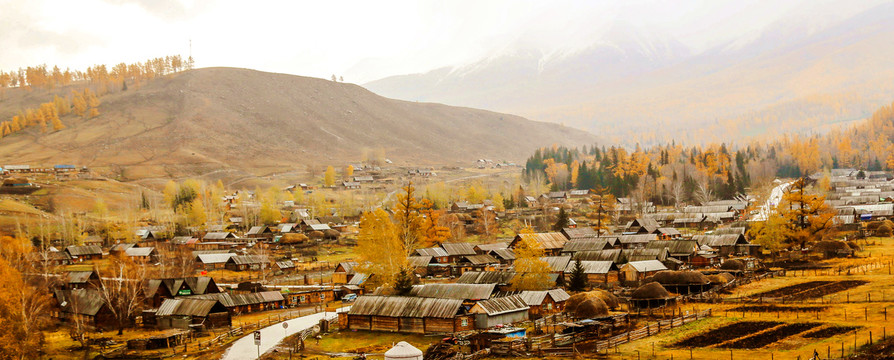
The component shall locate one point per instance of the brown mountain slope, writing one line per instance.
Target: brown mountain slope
(215, 118)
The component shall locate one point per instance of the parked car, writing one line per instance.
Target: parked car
(349, 298)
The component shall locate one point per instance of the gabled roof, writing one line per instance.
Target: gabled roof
(186, 307)
(588, 244)
(122, 247)
(404, 306)
(481, 259)
(729, 230)
(230, 299)
(455, 291)
(419, 261)
(536, 298)
(721, 240)
(433, 252)
(249, 259)
(557, 263)
(80, 301)
(219, 236)
(319, 227)
(458, 249)
(140, 251)
(500, 305)
(669, 231)
(649, 224)
(492, 246)
(80, 277)
(84, 250)
(592, 267)
(505, 254)
(257, 230)
(580, 232)
(647, 265)
(348, 266)
(486, 277)
(613, 255)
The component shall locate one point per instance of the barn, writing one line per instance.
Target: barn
(407, 314)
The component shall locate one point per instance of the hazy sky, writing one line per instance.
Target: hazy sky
(366, 40)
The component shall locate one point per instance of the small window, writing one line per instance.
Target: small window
(465, 322)
(302, 298)
(322, 296)
(549, 306)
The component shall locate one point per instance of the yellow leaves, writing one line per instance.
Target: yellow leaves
(196, 215)
(329, 176)
(380, 250)
(498, 202)
(532, 273)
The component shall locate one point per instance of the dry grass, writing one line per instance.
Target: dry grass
(858, 313)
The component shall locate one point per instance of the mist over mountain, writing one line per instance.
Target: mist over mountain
(794, 75)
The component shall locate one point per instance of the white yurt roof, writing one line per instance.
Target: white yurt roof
(403, 350)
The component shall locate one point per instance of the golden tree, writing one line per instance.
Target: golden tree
(408, 220)
(806, 215)
(531, 271)
(329, 177)
(379, 247)
(122, 289)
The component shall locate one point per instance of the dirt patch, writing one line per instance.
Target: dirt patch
(828, 332)
(792, 289)
(832, 288)
(726, 333)
(811, 289)
(758, 341)
(774, 308)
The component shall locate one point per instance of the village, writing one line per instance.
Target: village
(573, 273)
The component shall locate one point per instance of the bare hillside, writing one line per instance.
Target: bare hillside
(215, 118)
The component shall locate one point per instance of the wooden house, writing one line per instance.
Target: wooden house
(156, 290)
(344, 272)
(504, 256)
(499, 311)
(218, 236)
(82, 280)
(213, 261)
(637, 271)
(682, 250)
(247, 262)
(545, 302)
(482, 249)
(477, 263)
(86, 305)
(604, 273)
(260, 232)
(457, 251)
(728, 244)
(248, 302)
(142, 254)
(182, 312)
(437, 253)
(407, 314)
(84, 252)
(304, 296)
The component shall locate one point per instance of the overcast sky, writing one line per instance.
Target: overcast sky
(366, 40)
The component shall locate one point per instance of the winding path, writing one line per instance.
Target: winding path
(272, 335)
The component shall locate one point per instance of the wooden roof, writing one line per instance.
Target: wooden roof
(404, 306)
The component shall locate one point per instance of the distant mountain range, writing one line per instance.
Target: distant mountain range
(630, 86)
(225, 118)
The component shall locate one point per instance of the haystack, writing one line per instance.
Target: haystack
(292, 238)
(652, 290)
(591, 308)
(331, 234)
(608, 298)
(721, 278)
(679, 278)
(733, 264)
(315, 235)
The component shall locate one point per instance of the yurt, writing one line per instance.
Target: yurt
(403, 351)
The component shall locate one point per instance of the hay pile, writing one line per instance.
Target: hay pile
(292, 238)
(316, 235)
(831, 246)
(733, 264)
(679, 278)
(575, 304)
(652, 290)
(331, 234)
(721, 278)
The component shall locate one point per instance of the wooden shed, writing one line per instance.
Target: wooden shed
(499, 311)
(181, 313)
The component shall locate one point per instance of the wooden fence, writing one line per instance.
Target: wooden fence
(563, 344)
